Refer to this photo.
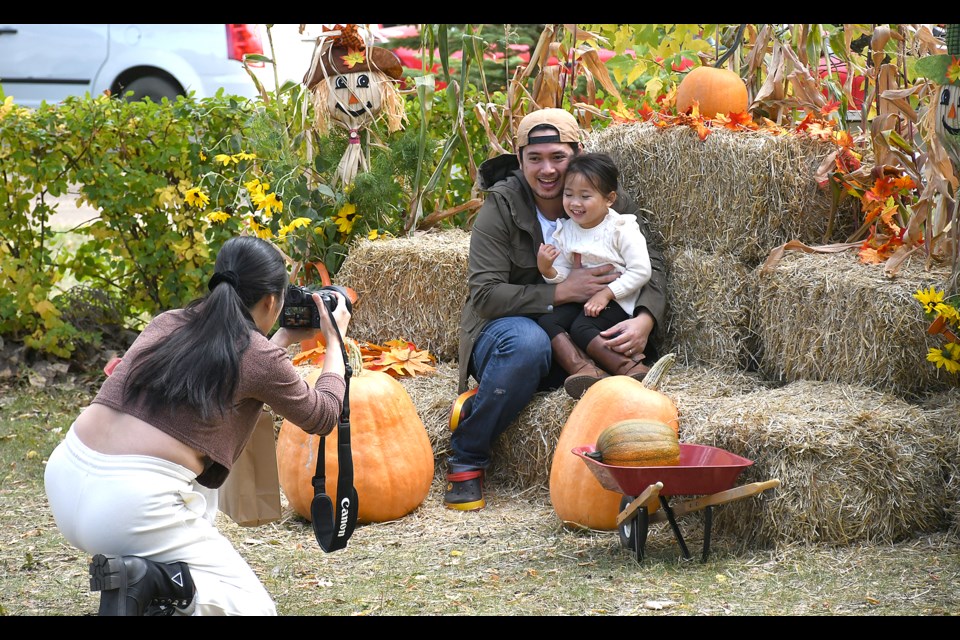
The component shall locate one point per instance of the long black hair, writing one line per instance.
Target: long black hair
(199, 365)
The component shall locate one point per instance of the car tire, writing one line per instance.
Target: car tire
(151, 87)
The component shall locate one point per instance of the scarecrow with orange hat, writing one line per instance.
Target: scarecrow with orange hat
(945, 71)
(352, 83)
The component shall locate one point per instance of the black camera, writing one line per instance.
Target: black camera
(300, 311)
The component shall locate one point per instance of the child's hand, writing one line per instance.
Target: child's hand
(598, 302)
(546, 255)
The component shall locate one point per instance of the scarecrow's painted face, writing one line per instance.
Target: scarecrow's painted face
(948, 111)
(354, 98)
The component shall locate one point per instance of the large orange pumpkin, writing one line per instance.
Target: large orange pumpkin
(575, 492)
(715, 90)
(391, 451)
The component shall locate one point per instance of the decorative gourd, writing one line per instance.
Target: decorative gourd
(637, 443)
(715, 90)
(393, 462)
(575, 492)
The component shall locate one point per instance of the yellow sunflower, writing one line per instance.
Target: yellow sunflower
(346, 217)
(197, 198)
(948, 357)
(929, 298)
(218, 216)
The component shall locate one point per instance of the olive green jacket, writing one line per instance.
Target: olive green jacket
(502, 275)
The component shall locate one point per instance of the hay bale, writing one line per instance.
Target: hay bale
(856, 465)
(830, 318)
(696, 388)
(410, 288)
(708, 315)
(433, 395)
(742, 193)
(942, 410)
(523, 454)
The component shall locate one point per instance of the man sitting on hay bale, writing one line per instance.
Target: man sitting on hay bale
(501, 344)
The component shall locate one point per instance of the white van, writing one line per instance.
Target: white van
(48, 62)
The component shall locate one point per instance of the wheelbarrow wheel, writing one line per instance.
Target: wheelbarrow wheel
(626, 527)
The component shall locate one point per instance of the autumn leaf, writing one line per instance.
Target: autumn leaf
(735, 121)
(904, 183)
(702, 130)
(820, 130)
(868, 255)
(843, 139)
(646, 112)
(404, 361)
(310, 356)
(829, 107)
(882, 189)
(953, 71)
(353, 58)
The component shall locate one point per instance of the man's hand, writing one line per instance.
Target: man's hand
(583, 282)
(630, 336)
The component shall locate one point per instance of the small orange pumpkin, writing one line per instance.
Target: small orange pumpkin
(575, 492)
(392, 456)
(715, 90)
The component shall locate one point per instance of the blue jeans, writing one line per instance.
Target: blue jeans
(512, 361)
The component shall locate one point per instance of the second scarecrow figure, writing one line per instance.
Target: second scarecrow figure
(352, 83)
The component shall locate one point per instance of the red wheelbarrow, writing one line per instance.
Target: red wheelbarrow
(704, 471)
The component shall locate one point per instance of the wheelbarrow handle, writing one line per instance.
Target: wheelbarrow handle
(714, 499)
(648, 498)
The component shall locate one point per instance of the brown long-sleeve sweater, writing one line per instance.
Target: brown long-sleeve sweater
(266, 377)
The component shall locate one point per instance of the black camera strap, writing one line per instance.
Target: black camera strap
(333, 527)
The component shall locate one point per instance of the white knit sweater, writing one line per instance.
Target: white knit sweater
(617, 241)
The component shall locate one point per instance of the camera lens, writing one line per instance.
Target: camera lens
(330, 300)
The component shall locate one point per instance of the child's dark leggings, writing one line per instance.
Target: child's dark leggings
(570, 318)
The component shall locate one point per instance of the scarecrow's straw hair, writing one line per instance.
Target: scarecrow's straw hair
(830, 318)
(321, 116)
(410, 288)
(737, 192)
(856, 465)
(708, 315)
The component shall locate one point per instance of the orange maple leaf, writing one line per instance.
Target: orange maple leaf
(803, 124)
(904, 183)
(353, 58)
(883, 187)
(405, 361)
(847, 160)
(868, 255)
(829, 107)
(843, 139)
(310, 356)
(702, 130)
(953, 70)
(646, 112)
(743, 119)
(821, 130)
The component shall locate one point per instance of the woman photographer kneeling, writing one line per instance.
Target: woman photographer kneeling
(134, 481)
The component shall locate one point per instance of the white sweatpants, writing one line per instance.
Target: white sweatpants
(144, 506)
